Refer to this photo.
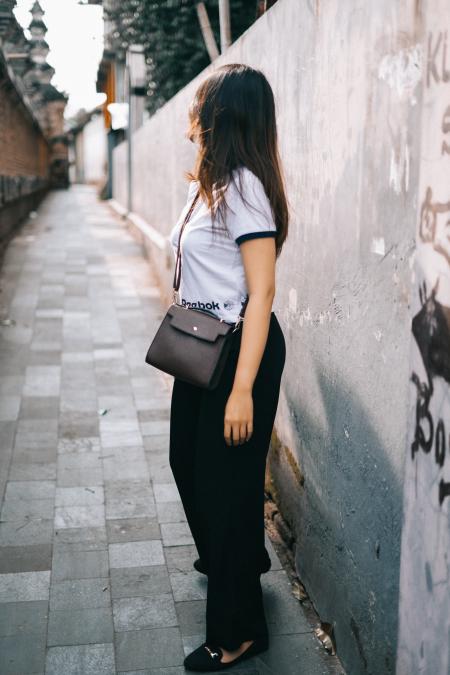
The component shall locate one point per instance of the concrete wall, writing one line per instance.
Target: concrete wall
(347, 81)
(424, 637)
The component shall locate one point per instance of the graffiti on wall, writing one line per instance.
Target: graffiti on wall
(431, 324)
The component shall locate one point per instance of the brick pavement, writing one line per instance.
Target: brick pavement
(96, 557)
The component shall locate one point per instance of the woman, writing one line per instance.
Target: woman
(219, 439)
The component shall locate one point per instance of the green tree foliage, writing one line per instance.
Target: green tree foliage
(170, 32)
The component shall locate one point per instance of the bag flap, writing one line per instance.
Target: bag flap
(197, 323)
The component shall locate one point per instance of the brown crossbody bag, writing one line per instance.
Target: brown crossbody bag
(191, 344)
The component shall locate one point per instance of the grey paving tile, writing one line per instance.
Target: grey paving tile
(136, 554)
(45, 429)
(35, 440)
(75, 462)
(283, 611)
(176, 534)
(9, 407)
(23, 617)
(155, 427)
(26, 533)
(157, 445)
(80, 626)
(126, 469)
(129, 500)
(7, 433)
(80, 594)
(30, 489)
(144, 612)
(45, 358)
(166, 492)
(132, 529)
(77, 357)
(129, 582)
(79, 445)
(46, 345)
(71, 403)
(160, 471)
(171, 512)
(90, 495)
(21, 510)
(79, 421)
(49, 313)
(81, 539)
(22, 654)
(191, 616)
(115, 423)
(180, 558)
(79, 564)
(80, 477)
(160, 411)
(27, 470)
(42, 381)
(146, 402)
(11, 384)
(117, 405)
(188, 585)
(175, 670)
(81, 660)
(79, 516)
(150, 648)
(42, 455)
(291, 654)
(124, 438)
(23, 586)
(36, 557)
(39, 407)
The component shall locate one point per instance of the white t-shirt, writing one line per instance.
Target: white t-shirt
(212, 272)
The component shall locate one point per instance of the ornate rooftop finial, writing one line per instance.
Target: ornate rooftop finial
(38, 46)
(36, 11)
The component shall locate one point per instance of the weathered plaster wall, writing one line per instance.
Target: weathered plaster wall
(424, 636)
(347, 81)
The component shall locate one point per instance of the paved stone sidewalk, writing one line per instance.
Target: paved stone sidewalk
(96, 557)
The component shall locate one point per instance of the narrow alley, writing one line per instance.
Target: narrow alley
(96, 557)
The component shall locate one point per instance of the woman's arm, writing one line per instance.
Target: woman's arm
(258, 257)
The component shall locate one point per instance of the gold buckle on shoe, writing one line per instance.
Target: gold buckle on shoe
(212, 654)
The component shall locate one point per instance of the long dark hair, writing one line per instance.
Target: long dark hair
(232, 117)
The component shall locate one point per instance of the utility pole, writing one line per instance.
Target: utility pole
(136, 86)
(225, 30)
(208, 35)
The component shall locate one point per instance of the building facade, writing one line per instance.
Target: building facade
(33, 143)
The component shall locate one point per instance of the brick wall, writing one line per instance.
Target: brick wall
(23, 148)
(24, 158)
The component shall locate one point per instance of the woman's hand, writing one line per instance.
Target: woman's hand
(238, 422)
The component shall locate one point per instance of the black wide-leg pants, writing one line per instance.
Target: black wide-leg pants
(222, 490)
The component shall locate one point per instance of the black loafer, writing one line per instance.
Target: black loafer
(198, 565)
(206, 658)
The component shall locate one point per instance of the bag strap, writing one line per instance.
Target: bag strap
(177, 271)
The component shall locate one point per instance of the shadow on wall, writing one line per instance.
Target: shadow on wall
(346, 515)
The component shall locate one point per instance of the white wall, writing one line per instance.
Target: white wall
(424, 638)
(94, 150)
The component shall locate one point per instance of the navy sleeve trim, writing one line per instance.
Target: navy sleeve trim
(255, 235)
